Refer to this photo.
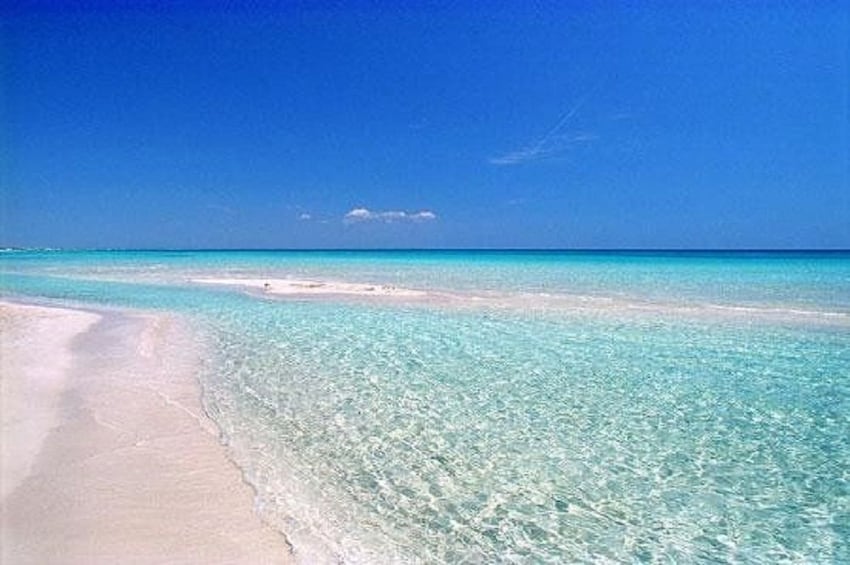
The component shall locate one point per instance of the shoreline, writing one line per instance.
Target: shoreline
(108, 455)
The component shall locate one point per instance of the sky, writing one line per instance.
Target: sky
(425, 125)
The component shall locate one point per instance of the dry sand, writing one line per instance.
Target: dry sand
(107, 455)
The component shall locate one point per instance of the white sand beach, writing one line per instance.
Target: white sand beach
(107, 455)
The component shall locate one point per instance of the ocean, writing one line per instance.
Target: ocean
(522, 406)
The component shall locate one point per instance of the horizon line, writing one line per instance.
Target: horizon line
(447, 249)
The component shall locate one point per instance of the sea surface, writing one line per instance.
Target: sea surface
(528, 407)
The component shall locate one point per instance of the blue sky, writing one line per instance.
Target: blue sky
(518, 124)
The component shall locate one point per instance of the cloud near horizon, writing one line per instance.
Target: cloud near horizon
(356, 215)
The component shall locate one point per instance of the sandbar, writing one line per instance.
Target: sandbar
(276, 286)
(545, 302)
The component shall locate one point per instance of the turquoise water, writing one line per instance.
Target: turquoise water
(701, 415)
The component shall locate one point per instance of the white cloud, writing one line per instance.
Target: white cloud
(304, 216)
(424, 215)
(356, 215)
(359, 215)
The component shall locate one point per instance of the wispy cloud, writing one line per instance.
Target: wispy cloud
(304, 216)
(555, 141)
(356, 215)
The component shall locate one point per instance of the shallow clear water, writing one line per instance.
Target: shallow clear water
(386, 431)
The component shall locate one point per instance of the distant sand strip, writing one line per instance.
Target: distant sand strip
(553, 303)
(107, 455)
(306, 287)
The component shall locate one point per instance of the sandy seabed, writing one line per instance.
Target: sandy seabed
(107, 455)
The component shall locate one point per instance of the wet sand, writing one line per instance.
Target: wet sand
(107, 455)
